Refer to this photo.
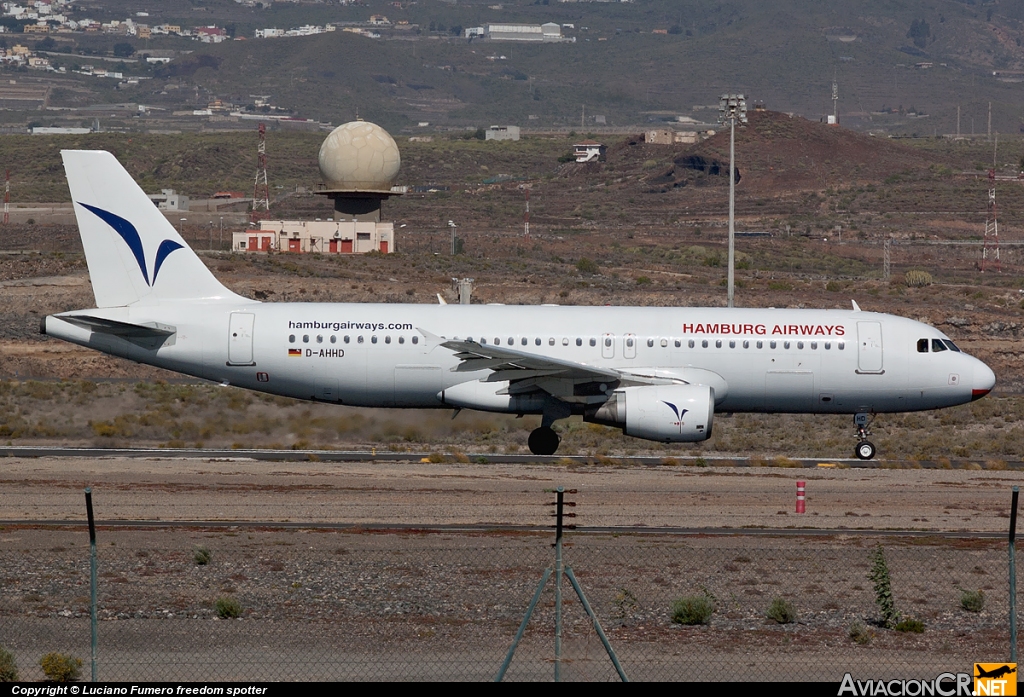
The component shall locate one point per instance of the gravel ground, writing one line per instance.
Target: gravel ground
(356, 604)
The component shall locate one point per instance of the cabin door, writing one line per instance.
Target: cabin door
(240, 338)
(869, 347)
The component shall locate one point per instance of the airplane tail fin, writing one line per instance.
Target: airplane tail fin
(133, 252)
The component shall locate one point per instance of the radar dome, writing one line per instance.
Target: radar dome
(359, 157)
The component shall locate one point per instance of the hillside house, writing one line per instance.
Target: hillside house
(589, 151)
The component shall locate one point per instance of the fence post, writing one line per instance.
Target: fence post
(92, 575)
(1013, 576)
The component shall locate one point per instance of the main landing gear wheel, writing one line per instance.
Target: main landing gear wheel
(543, 441)
(865, 450)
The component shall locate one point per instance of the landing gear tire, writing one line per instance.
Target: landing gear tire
(543, 441)
(865, 450)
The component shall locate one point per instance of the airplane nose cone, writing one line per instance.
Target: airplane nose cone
(984, 381)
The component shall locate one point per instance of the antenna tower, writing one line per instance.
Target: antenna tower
(526, 218)
(7, 195)
(260, 189)
(990, 252)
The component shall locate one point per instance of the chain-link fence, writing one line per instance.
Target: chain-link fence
(316, 604)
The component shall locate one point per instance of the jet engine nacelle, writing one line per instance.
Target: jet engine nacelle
(666, 413)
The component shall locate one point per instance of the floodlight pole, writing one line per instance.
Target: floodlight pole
(732, 107)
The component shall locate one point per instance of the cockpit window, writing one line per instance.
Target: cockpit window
(950, 345)
(922, 345)
(937, 346)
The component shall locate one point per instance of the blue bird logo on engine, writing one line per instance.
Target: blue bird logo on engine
(679, 414)
(131, 237)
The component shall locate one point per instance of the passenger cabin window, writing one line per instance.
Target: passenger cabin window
(772, 344)
(579, 342)
(537, 341)
(524, 341)
(922, 345)
(373, 339)
(320, 338)
(704, 344)
(334, 339)
(608, 342)
(305, 338)
(415, 340)
(690, 343)
(291, 338)
(680, 343)
(387, 340)
(937, 346)
(593, 342)
(401, 339)
(718, 343)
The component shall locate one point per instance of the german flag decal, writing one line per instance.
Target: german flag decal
(295, 352)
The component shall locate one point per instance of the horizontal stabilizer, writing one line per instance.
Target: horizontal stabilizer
(125, 329)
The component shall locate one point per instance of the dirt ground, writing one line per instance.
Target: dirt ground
(416, 604)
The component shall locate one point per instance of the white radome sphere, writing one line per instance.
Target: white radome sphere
(359, 156)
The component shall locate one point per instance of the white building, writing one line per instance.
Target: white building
(169, 200)
(502, 133)
(326, 236)
(525, 32)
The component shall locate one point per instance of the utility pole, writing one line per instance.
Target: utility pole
(957, 120)
(990, 121)
(7, 195)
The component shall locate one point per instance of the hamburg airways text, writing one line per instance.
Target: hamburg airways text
(338, 326)
(762, 329)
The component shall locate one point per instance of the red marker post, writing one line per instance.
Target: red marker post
(801, 496)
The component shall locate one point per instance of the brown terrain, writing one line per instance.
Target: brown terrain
(644, 228)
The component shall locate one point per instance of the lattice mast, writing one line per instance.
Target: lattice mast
(990, 252)
(260, 189)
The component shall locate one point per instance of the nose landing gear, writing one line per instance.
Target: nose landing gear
(865, 449)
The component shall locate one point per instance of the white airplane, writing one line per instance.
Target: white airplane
(656, 373)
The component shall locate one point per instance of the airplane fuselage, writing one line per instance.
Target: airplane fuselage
(389, 355)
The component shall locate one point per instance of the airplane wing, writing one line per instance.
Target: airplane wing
(509, 364)
(531, 372)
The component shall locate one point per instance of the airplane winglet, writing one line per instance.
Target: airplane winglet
(441, 300)
(856, 307)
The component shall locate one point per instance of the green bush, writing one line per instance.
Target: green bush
(693, 609)
(201, 556)
(8, 668)
(972, 601)
(883, 588)
(227, 608)
(585, 265)
(59, 667)
(910, 625)
(782, 611)
(861, 633)
(918, 279)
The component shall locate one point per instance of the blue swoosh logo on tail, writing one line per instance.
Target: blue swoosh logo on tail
(132, 238)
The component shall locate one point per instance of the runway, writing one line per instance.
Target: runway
(383, 455)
